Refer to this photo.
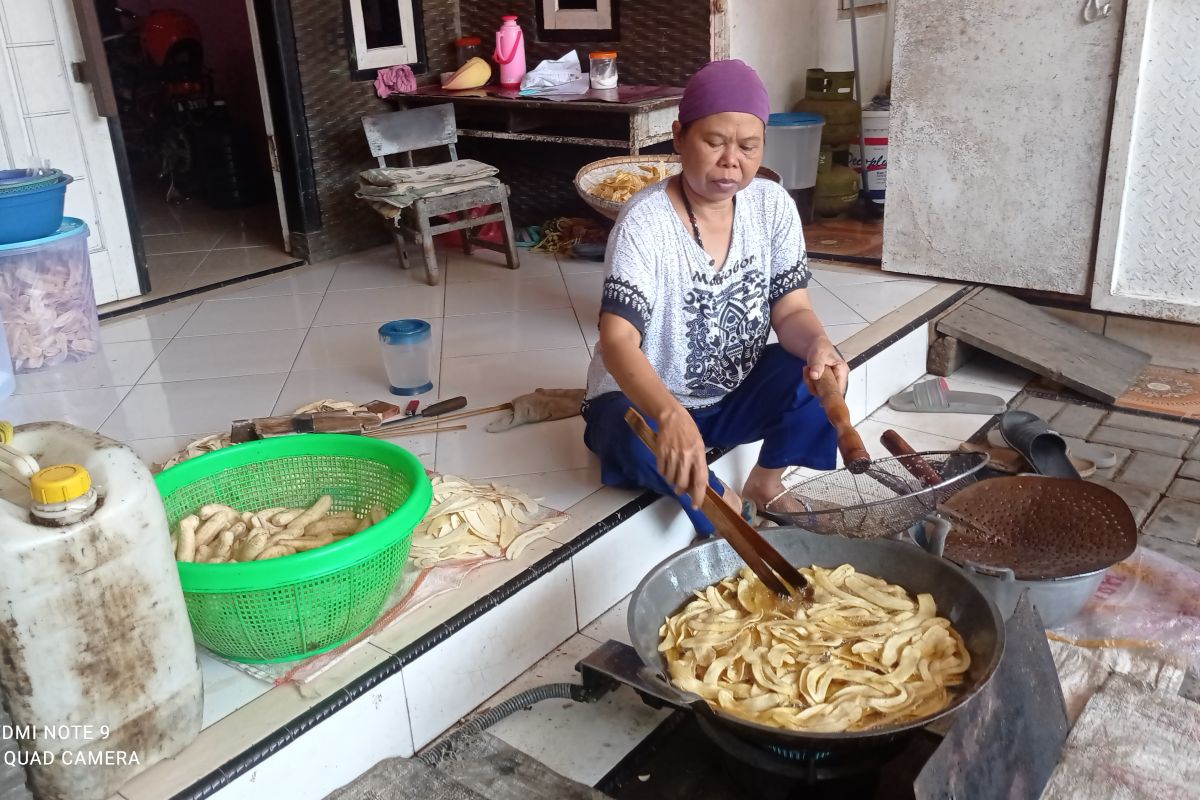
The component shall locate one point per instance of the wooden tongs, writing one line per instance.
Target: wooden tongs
(776, 573)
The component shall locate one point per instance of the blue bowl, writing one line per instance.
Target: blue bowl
(34, 214)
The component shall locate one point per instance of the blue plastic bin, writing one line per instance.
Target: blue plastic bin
(35, 214)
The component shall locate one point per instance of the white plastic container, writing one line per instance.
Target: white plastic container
(874, 147)
(7, 381)
(99, 669)
(794, 148)
(46, 299)
(407, 350)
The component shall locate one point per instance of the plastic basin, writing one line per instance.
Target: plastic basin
(35, 214)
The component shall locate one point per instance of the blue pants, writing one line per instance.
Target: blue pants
(773, 404)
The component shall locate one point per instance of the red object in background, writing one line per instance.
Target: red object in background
(491, 232)
(412, 407)
(170, 35)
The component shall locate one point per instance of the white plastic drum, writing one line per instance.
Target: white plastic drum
(875, 148)
(794, 148)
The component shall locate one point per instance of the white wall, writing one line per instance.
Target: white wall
(777, 38)
(876, 30)
(784, 38)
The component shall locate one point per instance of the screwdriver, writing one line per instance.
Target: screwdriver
(435, 410)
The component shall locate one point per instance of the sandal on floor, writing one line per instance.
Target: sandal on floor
(750, 514)
(1044, 449)
(1101, 457)
(529, 236)
(935, 396)
(1010, 462)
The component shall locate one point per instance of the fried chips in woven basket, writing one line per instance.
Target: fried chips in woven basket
(624, 184)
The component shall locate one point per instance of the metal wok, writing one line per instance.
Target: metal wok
(670, 585)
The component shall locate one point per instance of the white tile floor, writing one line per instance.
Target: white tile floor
(191, 245)
(187, 368)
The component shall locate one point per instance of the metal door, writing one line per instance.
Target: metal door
(1148, 257)
(996, 152)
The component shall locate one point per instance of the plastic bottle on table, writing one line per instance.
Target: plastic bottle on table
(510, 53)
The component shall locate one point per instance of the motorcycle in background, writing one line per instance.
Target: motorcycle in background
(170, 116)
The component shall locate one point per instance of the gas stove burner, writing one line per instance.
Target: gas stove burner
(802, 765)
(793, 754)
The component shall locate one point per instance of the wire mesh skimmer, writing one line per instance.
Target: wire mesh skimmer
(885, 500)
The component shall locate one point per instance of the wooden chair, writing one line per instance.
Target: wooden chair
(404, 132)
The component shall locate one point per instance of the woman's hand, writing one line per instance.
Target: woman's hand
(681, 454)
(822, 355)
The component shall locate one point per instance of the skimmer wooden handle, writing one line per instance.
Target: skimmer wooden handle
(850, 444)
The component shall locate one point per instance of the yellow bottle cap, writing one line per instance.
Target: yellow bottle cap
(59, 484)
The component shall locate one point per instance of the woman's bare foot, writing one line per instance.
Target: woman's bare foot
(731, 498)
(764, 485)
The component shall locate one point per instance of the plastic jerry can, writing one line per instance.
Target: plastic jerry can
(98, 666)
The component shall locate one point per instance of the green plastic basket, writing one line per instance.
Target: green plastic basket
(304, 604)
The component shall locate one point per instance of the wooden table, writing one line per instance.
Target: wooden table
(628, 118)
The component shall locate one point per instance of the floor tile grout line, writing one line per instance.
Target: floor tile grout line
(584, 345)
(518, 352)
(125, 396)
(291, 368)
(574, 310)
(871, 418)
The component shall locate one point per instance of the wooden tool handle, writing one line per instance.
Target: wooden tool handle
(919, 467)
(775, 571)
(850, 444)
(444, 407)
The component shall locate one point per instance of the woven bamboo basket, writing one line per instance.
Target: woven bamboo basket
(590, 175)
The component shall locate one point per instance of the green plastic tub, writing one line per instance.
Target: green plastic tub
(297, 606)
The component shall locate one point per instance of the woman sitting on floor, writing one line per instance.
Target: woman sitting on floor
(700, 269)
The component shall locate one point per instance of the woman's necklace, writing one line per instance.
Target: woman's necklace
(687, 206)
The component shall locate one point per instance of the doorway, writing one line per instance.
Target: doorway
(197, 135)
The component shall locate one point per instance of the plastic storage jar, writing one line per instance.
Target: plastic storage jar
(603, 70)
(7, 381)
(407, 347)
(468, 47)
(93, 625)
(46, 299)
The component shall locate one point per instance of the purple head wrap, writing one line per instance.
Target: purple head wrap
(722, 86)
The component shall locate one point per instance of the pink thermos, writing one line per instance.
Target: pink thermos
(510, 53)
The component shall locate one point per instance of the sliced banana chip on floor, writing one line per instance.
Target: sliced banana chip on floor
(473, 520)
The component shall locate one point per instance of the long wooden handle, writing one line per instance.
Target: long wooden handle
(850, 444)
(384, 433)
(775, 571)
(919, 467)
(419, 419)
(444, 407)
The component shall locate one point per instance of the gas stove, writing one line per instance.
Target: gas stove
(1010, 733)
(687, 758)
